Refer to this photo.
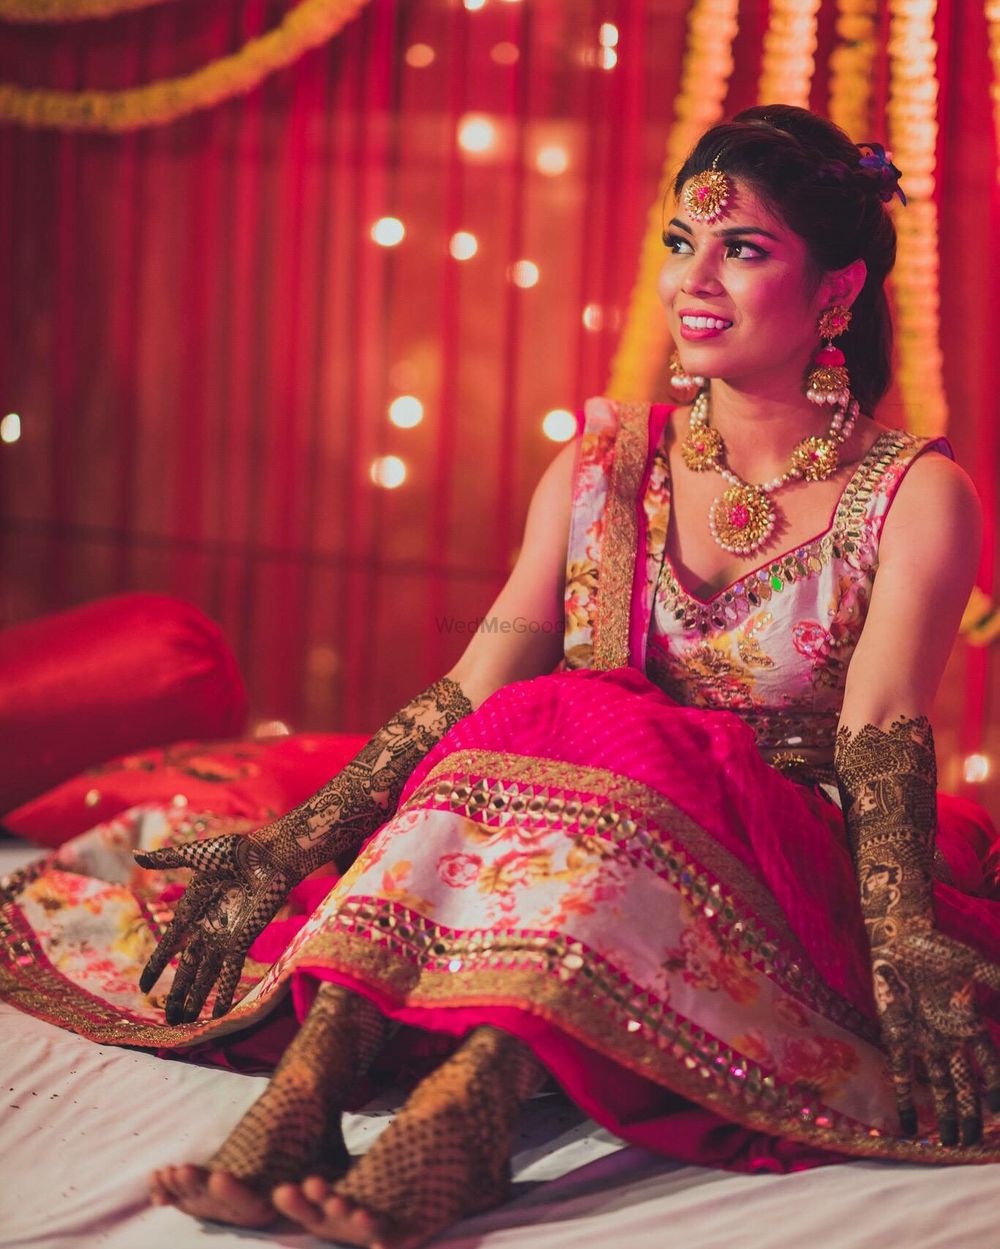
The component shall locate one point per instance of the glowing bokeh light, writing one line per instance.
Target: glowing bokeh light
(388, 471)
(271, 728)
(10, 428)
(476, 133)
(552, 160)
(419, 55)
(975, 769)
(559, 425)
(524, 273)
(406, 411)
(463, 245)
(505, 53)
(474, 5)
(608, 58)
(608, 36)
(388, 231)
(593, 317)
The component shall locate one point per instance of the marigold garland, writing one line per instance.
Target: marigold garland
(309, 24)
(705, 73)
(993, 25)
(913, 128)
(68, 10)
(852, 67)
(789, 57)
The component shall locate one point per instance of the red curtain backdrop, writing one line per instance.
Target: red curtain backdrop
(202, 340)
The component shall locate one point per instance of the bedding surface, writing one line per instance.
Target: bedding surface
(83, 1125)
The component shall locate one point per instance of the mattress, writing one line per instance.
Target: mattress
(84, 1124)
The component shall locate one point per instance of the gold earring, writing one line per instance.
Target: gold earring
(828, 380)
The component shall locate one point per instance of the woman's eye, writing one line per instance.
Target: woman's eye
(751, 250)
(674, 242)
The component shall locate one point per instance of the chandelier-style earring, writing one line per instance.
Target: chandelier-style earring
(828, 381)
(683, 381)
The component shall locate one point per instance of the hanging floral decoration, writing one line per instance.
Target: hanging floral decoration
(309, 24)
(68, 10)
(852, 66)
(789, 57)
(913, 130)
(705, 74)
(993, 25)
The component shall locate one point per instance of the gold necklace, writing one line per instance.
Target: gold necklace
(742, 518)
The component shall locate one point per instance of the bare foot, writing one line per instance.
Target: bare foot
(210, 1195)
(284, 1135)
(444, 1157)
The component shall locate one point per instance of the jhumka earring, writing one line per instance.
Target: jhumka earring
(707, 194)
(828, 381)
(680, 379)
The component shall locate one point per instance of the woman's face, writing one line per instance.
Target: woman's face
(750, 275)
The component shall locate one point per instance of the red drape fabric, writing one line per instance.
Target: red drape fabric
(202, 340)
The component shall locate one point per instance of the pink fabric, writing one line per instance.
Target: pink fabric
(786, 835)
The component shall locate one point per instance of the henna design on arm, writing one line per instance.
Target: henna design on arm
(241, 882)
(923, 981)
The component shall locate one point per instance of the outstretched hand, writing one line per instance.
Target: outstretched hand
(237, 889)
(925, 992)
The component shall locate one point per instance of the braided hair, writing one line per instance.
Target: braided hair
(833, 195)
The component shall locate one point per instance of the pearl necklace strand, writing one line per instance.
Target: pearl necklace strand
(742, 518)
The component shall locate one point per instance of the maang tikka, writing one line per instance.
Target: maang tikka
(707, 194)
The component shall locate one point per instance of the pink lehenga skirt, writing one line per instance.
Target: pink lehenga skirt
(621, 881)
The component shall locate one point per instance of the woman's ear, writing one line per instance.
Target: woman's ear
(843, 286)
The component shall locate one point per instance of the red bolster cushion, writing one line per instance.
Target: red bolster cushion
(258, 780)
(119, 674)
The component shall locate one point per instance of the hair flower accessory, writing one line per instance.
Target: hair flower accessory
(878, 161)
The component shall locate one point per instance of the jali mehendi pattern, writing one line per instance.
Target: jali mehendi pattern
(242, 881)
(923, 981)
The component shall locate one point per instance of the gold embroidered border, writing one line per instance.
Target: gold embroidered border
(621, 538)
(649, 827)
(579, 994)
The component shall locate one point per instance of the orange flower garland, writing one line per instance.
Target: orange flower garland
(309, 24)
(852, 66)
(705, 73)
(993, 24)
(912, 115)
(789, 53)
(67, 10)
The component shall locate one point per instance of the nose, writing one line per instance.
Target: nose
(700, 276)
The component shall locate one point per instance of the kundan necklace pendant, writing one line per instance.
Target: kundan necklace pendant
(741, 519)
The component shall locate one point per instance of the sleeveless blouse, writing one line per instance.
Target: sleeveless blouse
(774, 646)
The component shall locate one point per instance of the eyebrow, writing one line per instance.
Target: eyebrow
(729, 231)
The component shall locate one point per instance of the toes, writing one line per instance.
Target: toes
(189, 1181)
(316, 1188)
(291, 1201)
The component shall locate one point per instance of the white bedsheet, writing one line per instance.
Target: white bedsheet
(83, 1125)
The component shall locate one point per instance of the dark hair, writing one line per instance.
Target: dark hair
(807, 171)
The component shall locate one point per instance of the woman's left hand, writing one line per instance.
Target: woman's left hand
(924, 985)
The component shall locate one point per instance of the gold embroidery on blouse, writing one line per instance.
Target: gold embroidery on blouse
(844, 540)
(618, 553)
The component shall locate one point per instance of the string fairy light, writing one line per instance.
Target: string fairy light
(852, 67)
(789, 56)
(913, 132)
(705, 73)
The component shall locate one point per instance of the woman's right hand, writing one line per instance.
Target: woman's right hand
(237, 889)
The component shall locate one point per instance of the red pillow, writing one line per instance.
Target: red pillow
(255, 779)
(122, 673)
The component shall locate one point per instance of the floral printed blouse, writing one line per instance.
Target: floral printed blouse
(774, 646)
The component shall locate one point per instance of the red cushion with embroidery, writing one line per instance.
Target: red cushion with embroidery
(123, 673)
(258, 780)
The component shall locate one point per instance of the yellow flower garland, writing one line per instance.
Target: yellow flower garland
(852, 66)
(309, 24)
(912, 115)
(788, 61)
(67, 10)
(707, 66)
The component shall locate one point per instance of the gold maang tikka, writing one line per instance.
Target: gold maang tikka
(707, 194)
